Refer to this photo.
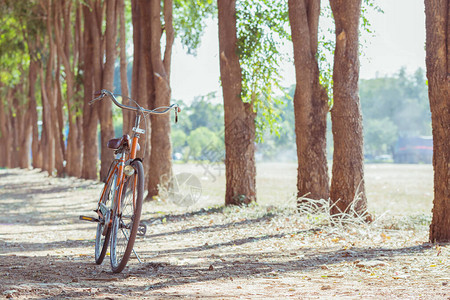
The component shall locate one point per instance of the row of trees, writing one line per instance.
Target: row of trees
(56, 53)
(393, 107)
(67, 49)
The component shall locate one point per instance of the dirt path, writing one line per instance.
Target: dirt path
(256, 252)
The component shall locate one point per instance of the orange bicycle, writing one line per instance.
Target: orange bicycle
(120, 205)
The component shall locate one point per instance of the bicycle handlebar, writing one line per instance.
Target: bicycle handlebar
(104, 92)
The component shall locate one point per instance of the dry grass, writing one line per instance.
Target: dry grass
(396, 189)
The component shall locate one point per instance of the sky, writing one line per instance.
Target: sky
(398, 41)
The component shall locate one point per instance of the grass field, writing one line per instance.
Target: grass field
(393, 188)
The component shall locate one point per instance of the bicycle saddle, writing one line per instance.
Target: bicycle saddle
(123, 142)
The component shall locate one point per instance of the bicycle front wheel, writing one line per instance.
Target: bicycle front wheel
(126, 223)
(105, 213)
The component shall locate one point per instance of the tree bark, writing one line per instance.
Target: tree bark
(90, 114)
(239, 117)
(65, 47)
(438, 73)
(127, 115)
(310, 102)
(347, 181)
(24, 137)
(6, 130)
(35, 144)
(105, 107)
(4, 134)
(48, 140)
(141, 88)
(161, 149)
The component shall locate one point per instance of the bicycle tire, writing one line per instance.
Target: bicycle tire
(125, 226)
(103, 234)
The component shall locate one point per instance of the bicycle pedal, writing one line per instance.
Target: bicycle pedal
(142, 229)
(90, 219)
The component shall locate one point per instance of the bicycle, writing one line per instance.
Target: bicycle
(120, 204)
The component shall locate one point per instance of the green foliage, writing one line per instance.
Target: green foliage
(205, 113)
(202, 141)
(261, 30)
(281, 146)
(393, 107)
(380, 135)
(14, 58)
(202, 120)
(189, 21)
(178, 138)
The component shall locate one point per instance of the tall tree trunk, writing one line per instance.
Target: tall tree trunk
(239, 116)
(6, 130)
(60, 151)
(142, 90)
(310, 102)
(347, 181)
(48, 139)
(438, 73)
(161, 149)
(105, 107)
(25, 134)
(15, 128)
(90, 114)
(127, 115)
(65, 47)
(4, 135)
(35, 144)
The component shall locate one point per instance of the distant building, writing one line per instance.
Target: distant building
(414, 150)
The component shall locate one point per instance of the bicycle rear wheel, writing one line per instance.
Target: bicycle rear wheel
(126, 224)
(104, 226)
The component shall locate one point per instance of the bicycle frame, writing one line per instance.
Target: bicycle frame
(120, 165)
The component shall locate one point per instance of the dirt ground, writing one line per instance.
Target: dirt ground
(255, 252)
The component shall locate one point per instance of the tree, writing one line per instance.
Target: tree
(15, 121)
(161, 152)
(90, 112)
(437, 14)
(106, 74)
(347, 181)
(68, 52)
(239, 117)
(310, 101)
(151, 81)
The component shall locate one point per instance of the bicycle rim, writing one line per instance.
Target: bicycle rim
(103, 232)
(125, 225)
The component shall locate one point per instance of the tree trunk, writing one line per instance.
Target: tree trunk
(35, 144)
(161, 149)
(65, 47)
(60, 146)
(48, 141)
(24, 138)
(127, 115)
(141, 88)
(347, 181)
(6, 130)
(105, 107)
(4, 134)
(239, 116)
(310, 102)
(438, 73)
(15, 128)
(90, 114)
